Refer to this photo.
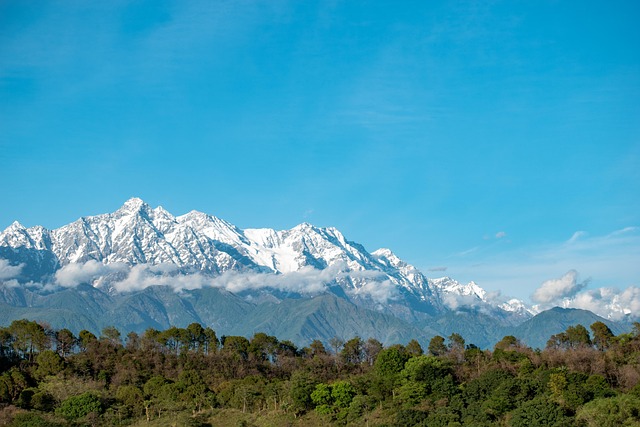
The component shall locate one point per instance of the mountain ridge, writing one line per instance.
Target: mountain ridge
(137, 234)
(144, 267)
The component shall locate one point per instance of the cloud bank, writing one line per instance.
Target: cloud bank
(607, 302)
(8, 271)
(307, 280)
(71, 275)
(557, 289)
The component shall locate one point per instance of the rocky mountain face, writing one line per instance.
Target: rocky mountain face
(129, 254)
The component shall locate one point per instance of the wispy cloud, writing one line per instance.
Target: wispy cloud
(576, 236)
(468, 251)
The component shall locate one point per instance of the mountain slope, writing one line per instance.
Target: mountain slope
(142, 267)
(138, 235)
(536, 331)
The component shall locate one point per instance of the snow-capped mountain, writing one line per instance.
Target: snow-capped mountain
(137, 234)
(449, 286)
(138, 246)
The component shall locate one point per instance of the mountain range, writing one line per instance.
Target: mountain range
(142, 267)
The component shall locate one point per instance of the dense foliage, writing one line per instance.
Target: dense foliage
(187, 376)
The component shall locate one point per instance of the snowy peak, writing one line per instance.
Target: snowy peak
(517, 307)
(15, 226)
(17, 235)
(198, 243)
(133, 205)
(450, 286)
(211, 227)
(388, 258)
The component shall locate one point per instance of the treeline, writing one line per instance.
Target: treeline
(189, 376)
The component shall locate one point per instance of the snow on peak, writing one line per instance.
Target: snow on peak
(15, 225)
(451, 286)
(137, 235)
(134, 204)
(162, 212)
(515, 306)
(305, 226)
(384, 254)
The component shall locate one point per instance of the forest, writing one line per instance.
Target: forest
(191, 377)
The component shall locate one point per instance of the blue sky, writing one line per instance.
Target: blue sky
(500, 140)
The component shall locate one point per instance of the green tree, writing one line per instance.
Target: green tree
(48, 362)
(539, 412)
(263, 347)
(352, 351)
(622, 410)
(302, 385)
(322, 395)
(390, 361)
(210, 341)
(386, 369)
(28, 338)
(419, 375)
(86, 339)
(578, 336)
(456, 343)
(413, 348)
(30, 419)
(197, 337)
(193, 390)
(602, 336)
(131, 397)
(425, 369)
(80, 406)
(6, 339)
(437, 346)
(236, 345)
(508, 342)
(342, 393)
(317, 348)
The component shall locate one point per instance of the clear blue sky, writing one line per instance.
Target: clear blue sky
(500, 140)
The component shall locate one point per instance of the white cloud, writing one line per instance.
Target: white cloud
(491, 302)
(373, 284)
(142, 276)
(608, 302)
(13, 283)
(438, 268)
(72, 275)
(455, 301)
(556, 289)
(8, 271)
(501, 234)
(307, 280)
(609, 260)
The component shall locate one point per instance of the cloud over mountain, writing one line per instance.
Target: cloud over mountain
(557, 289)
(8, 271)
